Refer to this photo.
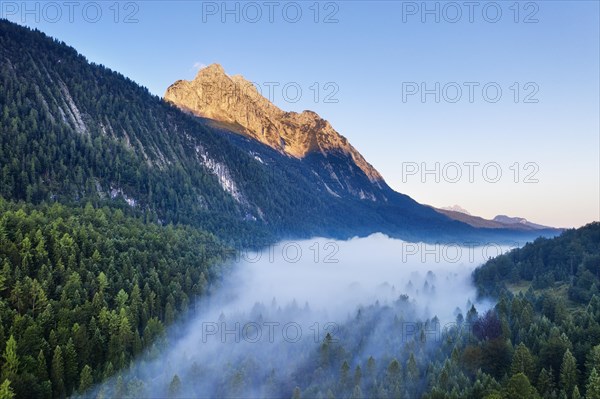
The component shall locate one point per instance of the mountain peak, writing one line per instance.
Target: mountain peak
(234, 100)
(212, 69)
(456, 208)
(510, 220)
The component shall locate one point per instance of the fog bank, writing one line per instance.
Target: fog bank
(267, 329)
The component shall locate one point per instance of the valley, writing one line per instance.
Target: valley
(168, 229)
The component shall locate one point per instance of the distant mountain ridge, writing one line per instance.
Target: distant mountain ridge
(499, 222)
(518, 220)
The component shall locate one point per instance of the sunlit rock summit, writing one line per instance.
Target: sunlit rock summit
(234, 100)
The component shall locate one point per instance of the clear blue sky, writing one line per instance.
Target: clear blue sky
(373, 55)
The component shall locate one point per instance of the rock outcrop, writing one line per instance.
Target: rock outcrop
(235, 101)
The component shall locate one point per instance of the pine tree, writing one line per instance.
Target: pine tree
(394, 379)
(37, 297)
(545, 383)
(135, 308)
(345, 377)
(85, 380)
(169, 313)
(11, 359)
(519, 387)
(175, 387)
(371, 368)
(108, 371)
(41, 372)
(593, 385)
(568, 373)
(57, 374)
(120, 387)
(593, 359)
(523, 362)
(412, 375)
(412, 369)
(71, 376)
(325, 351)
(357, 376)
(357, 393)
(371, 377)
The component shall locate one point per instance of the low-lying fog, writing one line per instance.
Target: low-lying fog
(265, 330)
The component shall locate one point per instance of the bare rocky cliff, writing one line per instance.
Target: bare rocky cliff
(235, 101)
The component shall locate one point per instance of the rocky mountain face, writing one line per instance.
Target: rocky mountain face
(235, 101)
(234, 106)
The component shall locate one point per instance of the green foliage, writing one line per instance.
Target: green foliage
(10, 365)
(545, 384)
(519, 387)
(6, 391)
(86, 379)
(593, 385)
(573, 258)
(593, 359)
(568, 373)
(58, 374)
(558, 320)
(92, 293)
(523, 362)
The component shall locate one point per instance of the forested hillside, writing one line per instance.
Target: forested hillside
(84, 290)
(543, 337)
(73, 132)
(570, 261)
